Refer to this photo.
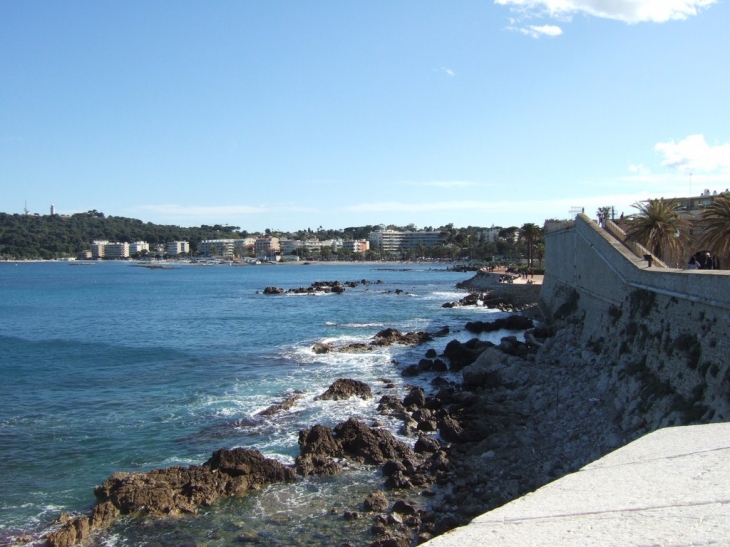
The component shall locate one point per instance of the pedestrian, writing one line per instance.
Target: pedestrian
(693, 264)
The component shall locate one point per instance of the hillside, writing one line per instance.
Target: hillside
(52, 236)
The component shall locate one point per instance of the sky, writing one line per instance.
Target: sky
(290, 115)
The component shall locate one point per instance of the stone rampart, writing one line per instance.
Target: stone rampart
(660, 334)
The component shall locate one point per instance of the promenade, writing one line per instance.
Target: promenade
(669, 488)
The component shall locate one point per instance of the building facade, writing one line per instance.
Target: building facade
(393, 241)
(98, 248)
(217, 247)
(138, 247)
(267, 246)
(174, 248)
(116, 250)
(356, 246)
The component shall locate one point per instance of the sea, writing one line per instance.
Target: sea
(112, 366)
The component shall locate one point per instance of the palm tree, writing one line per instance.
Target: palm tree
(539, 252)
(715, 223)
(530, 233)
(659, 227)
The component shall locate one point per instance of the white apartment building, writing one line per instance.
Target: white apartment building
(174, 248)
(288, 246)
(217, 247)
(137, 247)
(392, 241)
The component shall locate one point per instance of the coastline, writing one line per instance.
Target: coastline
(427, 512)
(412, 417)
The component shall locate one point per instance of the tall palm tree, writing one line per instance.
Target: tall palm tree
(530, 233)
(659, 227)
(715, 223)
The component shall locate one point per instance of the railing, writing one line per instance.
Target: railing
(637, 248)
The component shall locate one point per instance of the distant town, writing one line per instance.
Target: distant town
(692, 231)
(95, 236)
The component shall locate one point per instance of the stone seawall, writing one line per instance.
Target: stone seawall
(658, 337)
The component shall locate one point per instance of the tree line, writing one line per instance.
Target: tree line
(56, 236)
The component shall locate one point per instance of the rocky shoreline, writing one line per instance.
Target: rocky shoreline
(524, 413)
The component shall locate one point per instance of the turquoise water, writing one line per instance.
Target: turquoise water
(112, 367)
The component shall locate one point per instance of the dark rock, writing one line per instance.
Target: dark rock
(450, 430)
(439, 366)
(344, 388)
(319, 440)
(376, 501)
(460, 355)
(351, 515)
(398, 480)
(320, 348)
(395, 518)
(368, 445)
(274, 290)
(512, 322)
(410, 370)
(424, 365)
(284, 405)
(389, 337)
(356, 347)
(422, 414)
(392, 541)
(313, 464)
(174, 490)
(389, 404)
(415, 397)
(427, 425)
(391, 467)
(426, 445)
(431, 353)
(404, 508)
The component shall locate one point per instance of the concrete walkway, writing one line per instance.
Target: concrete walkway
(669, 488)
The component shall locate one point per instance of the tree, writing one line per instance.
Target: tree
(539, 249)
(659, 227)
(715, 223)
(530, 233)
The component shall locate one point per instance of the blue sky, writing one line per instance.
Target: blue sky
(288, 115)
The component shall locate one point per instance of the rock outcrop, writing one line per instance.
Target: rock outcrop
(344, 388)
(173, 490)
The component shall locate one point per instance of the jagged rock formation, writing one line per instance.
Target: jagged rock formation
(174, 490)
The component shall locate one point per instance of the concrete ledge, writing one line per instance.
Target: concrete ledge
(671, 487)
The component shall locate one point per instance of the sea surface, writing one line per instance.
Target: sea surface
(113, 367)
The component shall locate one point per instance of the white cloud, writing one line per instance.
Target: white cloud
(446, 71)
(694, 154)
(544, 30)
(628, 11)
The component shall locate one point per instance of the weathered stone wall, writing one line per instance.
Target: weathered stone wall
(659, 335)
